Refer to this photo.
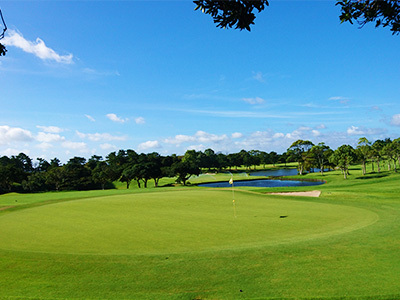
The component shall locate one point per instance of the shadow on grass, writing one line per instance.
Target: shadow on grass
(372, 176)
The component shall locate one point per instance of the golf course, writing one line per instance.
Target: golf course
(191, 242)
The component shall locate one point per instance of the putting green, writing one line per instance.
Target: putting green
(174, 222)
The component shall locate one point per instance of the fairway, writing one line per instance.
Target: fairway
(174, 222)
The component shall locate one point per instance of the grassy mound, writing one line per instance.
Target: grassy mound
(173, 222)
(186, 243)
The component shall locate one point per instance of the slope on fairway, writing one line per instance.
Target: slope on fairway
(173, 222)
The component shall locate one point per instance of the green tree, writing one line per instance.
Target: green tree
(77, 176)
(321, 153)
(102, 173)
(155, 167)
(298, 152)
(55, 177)
(364, 152)
(384, 13)
(376, 152)
(130, 173)
(43, 165)
(222, 161)
(188, 166)
(239, 14)
(273, 157)
(396, 147)
(231, 13)
(35, 182)
(3, 49)
(343, 157)
(389, 151)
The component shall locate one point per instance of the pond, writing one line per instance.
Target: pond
(277, 172)
(264, 183)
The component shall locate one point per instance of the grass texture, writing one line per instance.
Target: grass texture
(191, 243)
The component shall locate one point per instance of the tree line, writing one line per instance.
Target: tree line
(19, 173)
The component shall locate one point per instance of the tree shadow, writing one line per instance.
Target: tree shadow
(372, 176)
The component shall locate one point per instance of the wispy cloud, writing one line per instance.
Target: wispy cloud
(50, 129)
(140, 120)
(199, 137)
(37, 48)
(237, 135)
(255, 114)
(354, 130)
(14, 134)
(96, 137)
(395, 120)
(115, 118)
(107, 146)
(49, 137)
(80, 146)
(340, 99)
(90, 118)
(94, 72)
(149, 145)
(256, 100)
(258, 76)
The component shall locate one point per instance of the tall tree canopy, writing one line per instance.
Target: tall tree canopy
(239, 14)
(384, 13)
(231, 13)
(2, 48)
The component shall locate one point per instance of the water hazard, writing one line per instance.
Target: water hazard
(264, 183)
(267, 182)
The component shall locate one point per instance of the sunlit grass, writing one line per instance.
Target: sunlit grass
(185, 243)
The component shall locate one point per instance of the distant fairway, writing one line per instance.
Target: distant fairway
(173, 222)
(185, 243)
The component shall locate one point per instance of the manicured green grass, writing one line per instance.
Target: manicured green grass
(185, 243)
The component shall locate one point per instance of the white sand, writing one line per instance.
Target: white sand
(304, 194)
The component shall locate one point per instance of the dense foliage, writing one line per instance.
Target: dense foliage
(239, 14)
(19, 173)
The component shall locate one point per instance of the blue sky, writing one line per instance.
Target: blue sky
(92, 77)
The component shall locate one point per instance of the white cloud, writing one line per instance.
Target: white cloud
(140, 120)
(90, 118)
(278, 135)
(256, 100)
(237, 135)
(205, 137)
(179, 139)
(38, 48)
(95, 137)
(14, 134)
(107, 146)
(11, 151)
(149, 145)
(342, 100)
(49, 137)
(115, 118)
(44, 146)
(50, 129)
(315, 132)
(395, 120)
(321, 126)
(354, 130)
(93, 72)
(304, 128)
(80, 146)
(258, 76)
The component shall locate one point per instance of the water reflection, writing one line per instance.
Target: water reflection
(264, 183)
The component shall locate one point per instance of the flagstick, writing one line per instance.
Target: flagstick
(233, 199)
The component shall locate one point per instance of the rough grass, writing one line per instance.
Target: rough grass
(226, 258)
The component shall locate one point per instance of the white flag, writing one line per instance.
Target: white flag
(231, 180)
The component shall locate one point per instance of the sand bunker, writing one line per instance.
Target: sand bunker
(304, 194)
